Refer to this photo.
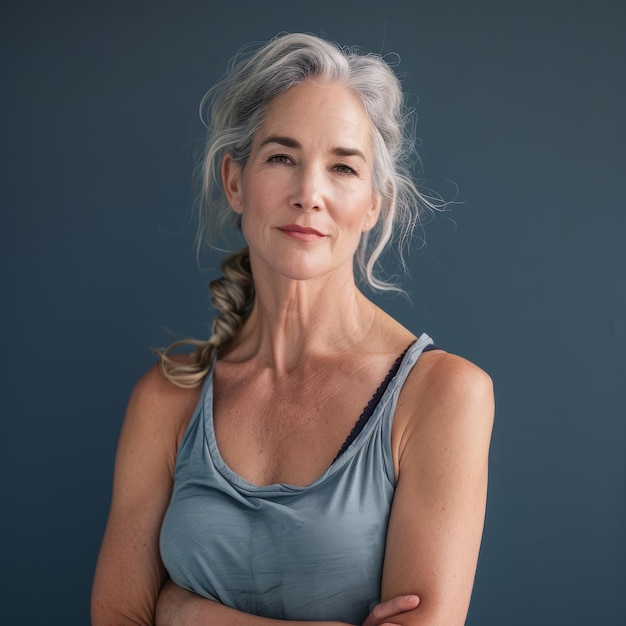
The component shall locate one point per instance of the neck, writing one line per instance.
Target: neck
(292, 319)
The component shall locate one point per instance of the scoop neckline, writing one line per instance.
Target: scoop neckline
(235, 479)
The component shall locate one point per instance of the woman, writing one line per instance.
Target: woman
(247, 488)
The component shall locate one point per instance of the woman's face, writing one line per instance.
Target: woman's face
(305, 194)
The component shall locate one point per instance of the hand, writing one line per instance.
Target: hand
(385, 610)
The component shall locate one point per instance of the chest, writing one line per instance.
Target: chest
(288, 431)
(278, 551)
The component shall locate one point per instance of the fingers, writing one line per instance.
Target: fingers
(383, 611)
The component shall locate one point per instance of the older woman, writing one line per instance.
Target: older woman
(313, 460)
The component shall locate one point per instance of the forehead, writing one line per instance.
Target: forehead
(322, 114)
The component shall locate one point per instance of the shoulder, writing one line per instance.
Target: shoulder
(159, 406)
(442, 376)
(155, 383)
(446, 401)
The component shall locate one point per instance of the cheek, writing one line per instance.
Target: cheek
(257, 216)
(363, 216)
(260, 193)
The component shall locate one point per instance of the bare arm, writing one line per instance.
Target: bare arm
(441, 450)
(129, 572)
(178, 607)
(129, 579)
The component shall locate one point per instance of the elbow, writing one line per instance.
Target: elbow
(103, 614)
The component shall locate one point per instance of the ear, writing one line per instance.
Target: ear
(231, 180)
(371, 217)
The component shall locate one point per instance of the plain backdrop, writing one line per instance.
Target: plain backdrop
(521, 120)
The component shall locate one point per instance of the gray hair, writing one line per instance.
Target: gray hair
(233, 111)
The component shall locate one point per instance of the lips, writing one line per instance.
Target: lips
(302, 233)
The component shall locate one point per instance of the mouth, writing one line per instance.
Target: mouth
(302, 233)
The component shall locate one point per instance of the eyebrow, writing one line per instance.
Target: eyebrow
(288, 142)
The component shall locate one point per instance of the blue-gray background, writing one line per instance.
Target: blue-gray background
(521, 104)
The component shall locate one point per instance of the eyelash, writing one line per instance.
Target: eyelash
(341, 168)
(274, 158)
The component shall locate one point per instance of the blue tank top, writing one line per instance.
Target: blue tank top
(285, 551)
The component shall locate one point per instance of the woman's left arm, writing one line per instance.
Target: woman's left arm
(440, 441)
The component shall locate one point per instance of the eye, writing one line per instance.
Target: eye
(342, 168)
(279, 158)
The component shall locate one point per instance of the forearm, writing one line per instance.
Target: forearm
(220, 615)
(428, 614)
(177, 607)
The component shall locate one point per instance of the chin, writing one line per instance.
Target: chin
(301, 273)
(298, 266)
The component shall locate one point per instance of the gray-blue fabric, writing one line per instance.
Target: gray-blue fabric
(284, 551)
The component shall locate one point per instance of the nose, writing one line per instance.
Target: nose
(307, 193)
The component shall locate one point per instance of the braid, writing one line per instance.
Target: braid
(232, 295)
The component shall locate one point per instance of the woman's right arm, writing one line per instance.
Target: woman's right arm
(129, 573)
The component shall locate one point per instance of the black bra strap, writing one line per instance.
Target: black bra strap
(371, 405)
